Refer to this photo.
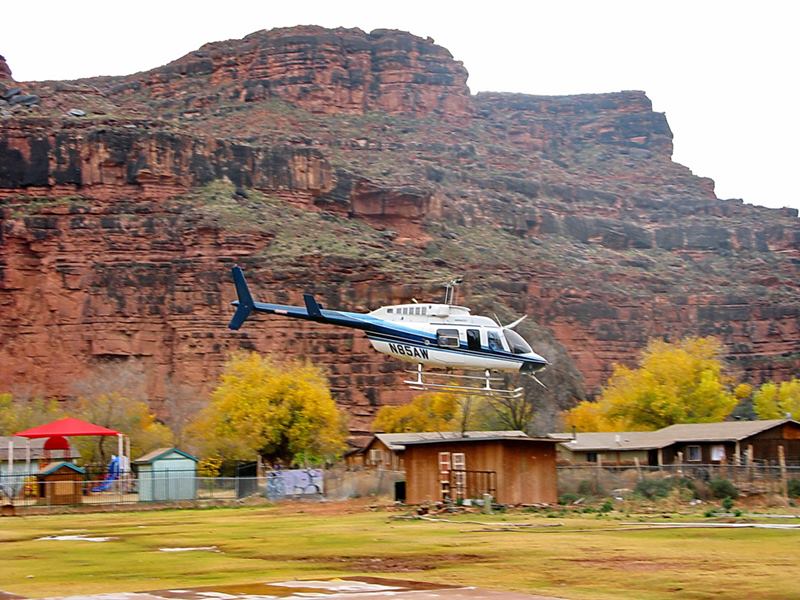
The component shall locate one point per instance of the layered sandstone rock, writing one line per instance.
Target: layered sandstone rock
(143, 157)
(358, 167)
(324, 71)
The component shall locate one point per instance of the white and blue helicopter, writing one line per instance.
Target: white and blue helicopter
(434, 335)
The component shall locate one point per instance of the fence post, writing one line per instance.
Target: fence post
(597, 470)
(638, 467)
(782, 464)
(679, 462)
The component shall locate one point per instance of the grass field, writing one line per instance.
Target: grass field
(581, 557)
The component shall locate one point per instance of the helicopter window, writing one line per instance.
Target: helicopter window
(390, 310)
(515, 341)
(495, 343)
(447, 338)
(417, 310)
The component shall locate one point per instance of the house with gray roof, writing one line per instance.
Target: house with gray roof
(733, 442)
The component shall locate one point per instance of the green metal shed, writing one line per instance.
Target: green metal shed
(167, 474)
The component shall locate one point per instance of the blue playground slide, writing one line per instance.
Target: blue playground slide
(111, 476)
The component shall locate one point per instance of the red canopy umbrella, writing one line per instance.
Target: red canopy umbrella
(66, 427)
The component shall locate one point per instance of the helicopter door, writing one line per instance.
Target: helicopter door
(473, 339)
(495, 341)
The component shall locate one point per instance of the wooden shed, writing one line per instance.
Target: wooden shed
(385, 450)
(514, 470)
(61, 483)
(167, 474)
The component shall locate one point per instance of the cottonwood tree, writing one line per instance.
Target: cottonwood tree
(19, 413)
(513, 413)
(429, 411)
(121, 413)
(778, 400)
(114, 395)
(682, 382)
(281, 412)
(182, 403)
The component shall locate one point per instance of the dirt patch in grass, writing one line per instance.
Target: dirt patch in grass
(398, 564)
(627, 564)
(338, 507)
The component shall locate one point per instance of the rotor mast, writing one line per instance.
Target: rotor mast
(450, 290)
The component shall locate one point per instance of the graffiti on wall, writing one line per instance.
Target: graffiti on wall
(294, 482)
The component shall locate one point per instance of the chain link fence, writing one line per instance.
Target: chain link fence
(22, 490)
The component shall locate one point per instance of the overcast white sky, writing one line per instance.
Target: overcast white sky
(724, 72)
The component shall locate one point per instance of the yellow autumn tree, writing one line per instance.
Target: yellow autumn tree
(122, 413)
(778, 400)
(280, 412)
(17, 414)
(114, 395)
(431, 411)
(682, 382)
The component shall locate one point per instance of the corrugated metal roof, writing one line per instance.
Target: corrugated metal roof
(159, 452)
(724, 431)
(616, 440)
(397, 441)
(500, 438)
(647, 440)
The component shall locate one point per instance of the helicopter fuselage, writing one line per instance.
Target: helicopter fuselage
(438, 335)
(444, 335)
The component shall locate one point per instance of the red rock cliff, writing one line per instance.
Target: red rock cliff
(357, 166)
(325, 71)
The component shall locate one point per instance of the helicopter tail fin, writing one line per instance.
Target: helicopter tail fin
(313, 308)
(245, 304)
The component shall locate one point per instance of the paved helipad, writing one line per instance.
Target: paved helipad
(349, 588)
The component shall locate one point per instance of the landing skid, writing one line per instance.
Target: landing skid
(486, 390)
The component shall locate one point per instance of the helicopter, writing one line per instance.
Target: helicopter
(426, 334)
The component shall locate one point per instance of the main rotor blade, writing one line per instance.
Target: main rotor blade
(515, 323)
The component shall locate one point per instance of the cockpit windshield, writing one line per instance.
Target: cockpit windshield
(516, 342)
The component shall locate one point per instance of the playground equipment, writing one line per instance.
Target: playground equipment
(111, 476)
